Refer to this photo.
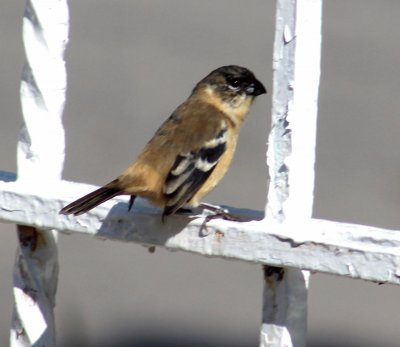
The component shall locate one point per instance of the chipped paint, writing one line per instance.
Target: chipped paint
(40, 158)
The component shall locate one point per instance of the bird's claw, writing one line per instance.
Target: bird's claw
(218, 213)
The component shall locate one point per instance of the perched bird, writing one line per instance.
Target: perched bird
(191, 151)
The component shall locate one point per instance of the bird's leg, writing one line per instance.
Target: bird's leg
(131, 201)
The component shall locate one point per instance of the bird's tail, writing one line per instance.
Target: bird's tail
(90, 200)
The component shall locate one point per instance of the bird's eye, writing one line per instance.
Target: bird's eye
(234, 83)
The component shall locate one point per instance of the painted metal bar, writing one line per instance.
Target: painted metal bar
(350, 250)
(290, 157)
(40, 162)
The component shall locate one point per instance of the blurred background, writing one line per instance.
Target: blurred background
(130, 63)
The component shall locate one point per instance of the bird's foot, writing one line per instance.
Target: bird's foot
(218, 213)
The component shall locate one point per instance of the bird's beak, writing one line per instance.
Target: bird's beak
(256, 88)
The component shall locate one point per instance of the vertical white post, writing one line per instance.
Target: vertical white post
(40, 163)
(290, 157)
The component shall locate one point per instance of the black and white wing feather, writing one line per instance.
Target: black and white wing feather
(191, 170)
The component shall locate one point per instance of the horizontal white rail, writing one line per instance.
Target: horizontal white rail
(288, 238)
(350, 250)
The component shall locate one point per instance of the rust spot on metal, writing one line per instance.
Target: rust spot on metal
(28, 237)
(20, 333)
(219, 235)
(272, 274)
(32, 293)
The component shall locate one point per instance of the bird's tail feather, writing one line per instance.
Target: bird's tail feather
(90, 201)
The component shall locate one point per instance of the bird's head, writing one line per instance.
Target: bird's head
(232, 80)
(231, 89)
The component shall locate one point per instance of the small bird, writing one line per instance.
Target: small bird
(191, 151)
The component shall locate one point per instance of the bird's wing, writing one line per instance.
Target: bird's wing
(191, 169)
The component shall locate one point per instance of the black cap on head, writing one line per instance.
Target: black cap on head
(240, 78)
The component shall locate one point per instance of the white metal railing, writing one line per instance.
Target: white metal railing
(288, 240)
